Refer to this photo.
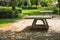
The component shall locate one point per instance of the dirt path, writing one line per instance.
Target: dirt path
(23, 23)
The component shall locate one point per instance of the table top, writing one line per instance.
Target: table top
(38, 17)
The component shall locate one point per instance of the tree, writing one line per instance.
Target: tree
(29, 2)
(36, 3)
(13, 4)
(59, 5)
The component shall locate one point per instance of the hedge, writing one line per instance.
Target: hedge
(9, 13)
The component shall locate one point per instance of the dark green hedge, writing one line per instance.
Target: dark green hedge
(28, 7)
(6, 13)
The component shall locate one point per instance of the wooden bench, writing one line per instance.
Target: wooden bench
(39, 17)
(47, 11)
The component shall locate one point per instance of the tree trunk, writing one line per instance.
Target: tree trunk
(13, 2)
(59, 5)
(36, 3)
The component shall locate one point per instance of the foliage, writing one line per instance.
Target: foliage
(24, 7)
(7, 12)
(29, 2)
(59, 5)
(13, 4)
(56, 10)
(3, 3)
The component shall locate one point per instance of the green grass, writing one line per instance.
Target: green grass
(4, 21)
(30, 11)
(4, 7)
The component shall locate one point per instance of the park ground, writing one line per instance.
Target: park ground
(11, 28)
(13, 31)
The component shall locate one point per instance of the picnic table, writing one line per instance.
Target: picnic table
(39, 17)
(47, 11)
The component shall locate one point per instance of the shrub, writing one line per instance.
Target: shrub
(7, 12)
(29, 7)
(56, 11)
(3, 3)
(46, 8)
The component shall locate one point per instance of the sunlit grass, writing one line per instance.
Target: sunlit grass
(4, 21)
(31, 10)
(8, 7)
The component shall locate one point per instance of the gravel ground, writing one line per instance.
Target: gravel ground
(51, 34)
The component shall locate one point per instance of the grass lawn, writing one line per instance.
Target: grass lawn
(4, 21)
(30, 12)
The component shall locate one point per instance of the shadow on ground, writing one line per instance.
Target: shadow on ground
(30, 35)
(35, 29)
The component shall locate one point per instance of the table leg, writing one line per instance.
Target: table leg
(43, 21)
(34, 23)
(46, 22)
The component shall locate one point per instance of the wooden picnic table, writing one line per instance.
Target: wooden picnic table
(39, 17)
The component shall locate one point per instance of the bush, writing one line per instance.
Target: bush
(3, 3)
(7, 12)
(18, 10)
(44, 4)
(25, 7)
(56, 11)
(46, 8)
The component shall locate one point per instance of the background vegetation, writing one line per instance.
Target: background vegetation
(20, 8)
